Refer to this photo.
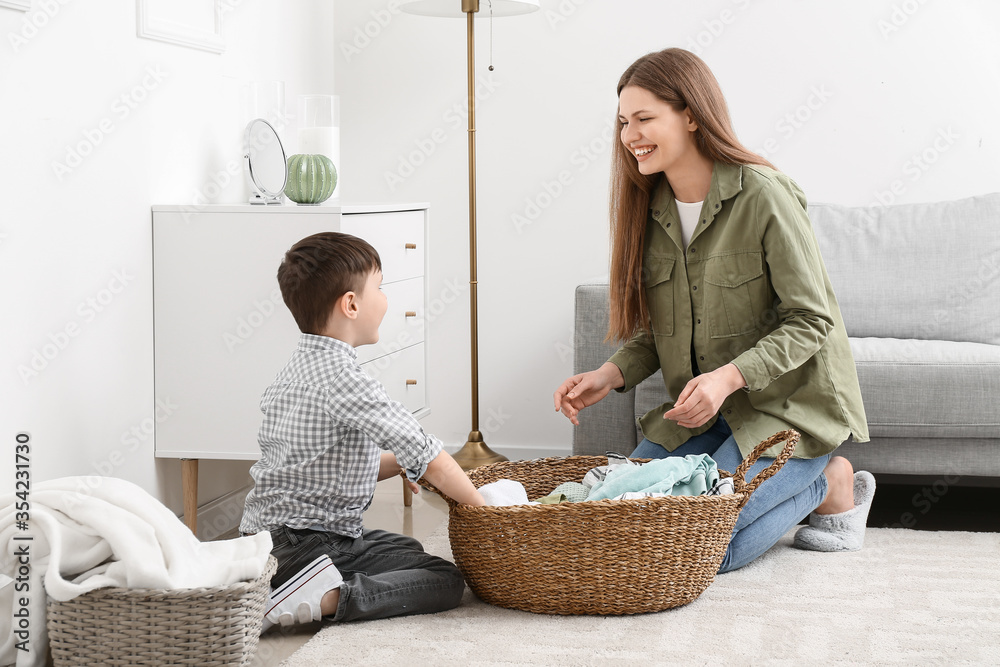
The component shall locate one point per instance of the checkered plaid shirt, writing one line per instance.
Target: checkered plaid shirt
(325, 424)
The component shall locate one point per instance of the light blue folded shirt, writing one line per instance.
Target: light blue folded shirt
(692, 475)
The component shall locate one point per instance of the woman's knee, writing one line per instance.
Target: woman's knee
(838, 469)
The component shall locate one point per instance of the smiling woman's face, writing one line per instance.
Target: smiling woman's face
(656, 135)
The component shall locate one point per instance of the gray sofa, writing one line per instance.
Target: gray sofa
(919, 289)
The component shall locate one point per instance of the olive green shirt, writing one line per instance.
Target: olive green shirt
(751, 289)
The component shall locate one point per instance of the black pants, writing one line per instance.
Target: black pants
(385, 574)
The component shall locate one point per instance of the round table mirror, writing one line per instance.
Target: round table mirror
(265, 162)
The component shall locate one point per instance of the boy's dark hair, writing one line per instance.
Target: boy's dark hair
(320, 269)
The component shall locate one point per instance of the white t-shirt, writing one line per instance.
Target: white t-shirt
(689, 218)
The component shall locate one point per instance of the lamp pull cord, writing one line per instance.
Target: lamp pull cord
(491, 34)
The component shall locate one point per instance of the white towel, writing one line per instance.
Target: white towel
(504, 492)
(113, 535)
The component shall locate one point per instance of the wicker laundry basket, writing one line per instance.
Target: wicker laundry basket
(597, 557)
(190, 626)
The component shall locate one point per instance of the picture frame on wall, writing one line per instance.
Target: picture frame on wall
(195, 24)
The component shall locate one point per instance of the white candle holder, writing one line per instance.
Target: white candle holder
(319, 130)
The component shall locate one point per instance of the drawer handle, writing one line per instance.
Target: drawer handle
(410, 382)
(411, 246)
(411, 313)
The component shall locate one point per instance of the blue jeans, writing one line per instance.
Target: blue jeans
(385, 574)
(776, 506)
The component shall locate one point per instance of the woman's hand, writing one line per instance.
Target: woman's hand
(702, 396)
(585, 389)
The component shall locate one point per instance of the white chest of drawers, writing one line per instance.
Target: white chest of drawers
(222, 332)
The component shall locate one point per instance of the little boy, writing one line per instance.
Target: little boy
(325, 425)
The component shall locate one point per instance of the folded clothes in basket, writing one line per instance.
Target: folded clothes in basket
(722, 487)
(573, 492)
(597, 475)
(692, 475)
(695, 474)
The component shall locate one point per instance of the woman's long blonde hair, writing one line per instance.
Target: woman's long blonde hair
(684, 81)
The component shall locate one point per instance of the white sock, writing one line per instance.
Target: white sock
(844, 531)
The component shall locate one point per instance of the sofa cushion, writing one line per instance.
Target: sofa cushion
(929, 388)
(924, 271)
(974, 459)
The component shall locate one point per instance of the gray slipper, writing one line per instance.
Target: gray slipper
(844, 531)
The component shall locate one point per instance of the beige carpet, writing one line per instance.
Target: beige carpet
(909, 597)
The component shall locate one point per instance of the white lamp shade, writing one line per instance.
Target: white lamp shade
(453, 8)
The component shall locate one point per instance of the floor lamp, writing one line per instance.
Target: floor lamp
(475, 452)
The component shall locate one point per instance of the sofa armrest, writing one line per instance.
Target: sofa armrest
(610, 424)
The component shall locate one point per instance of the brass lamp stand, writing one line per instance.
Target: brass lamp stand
(475, 452)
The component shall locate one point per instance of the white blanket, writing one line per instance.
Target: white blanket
(113, 535)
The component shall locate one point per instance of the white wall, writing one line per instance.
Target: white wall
(68, 238)
(543, 115)
(845, 97)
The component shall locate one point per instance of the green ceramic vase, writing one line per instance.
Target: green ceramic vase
(311, 179)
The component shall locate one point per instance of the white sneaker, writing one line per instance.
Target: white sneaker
(298, 599)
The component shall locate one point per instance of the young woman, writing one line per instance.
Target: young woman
(717, 279)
